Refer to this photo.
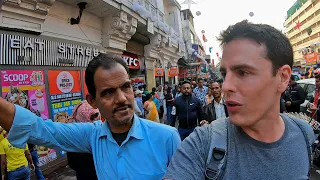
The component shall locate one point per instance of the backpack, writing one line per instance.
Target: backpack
(217, 159)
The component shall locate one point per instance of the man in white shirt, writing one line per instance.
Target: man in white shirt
(217, 108)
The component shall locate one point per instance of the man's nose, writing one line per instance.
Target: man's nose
(228, 83)
(120, 96)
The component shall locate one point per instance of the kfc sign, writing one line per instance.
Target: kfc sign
(131, 60)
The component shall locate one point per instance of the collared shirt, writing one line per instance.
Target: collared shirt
(219, 107)
(145, 154)
(201, 94)
(140, 104)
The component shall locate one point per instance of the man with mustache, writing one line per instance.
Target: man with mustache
(124, 147)
(256, 141)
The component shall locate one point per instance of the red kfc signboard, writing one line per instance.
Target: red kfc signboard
(131, 60)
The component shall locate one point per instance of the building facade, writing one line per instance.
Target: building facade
(303, 30)
(46, 45)
(195, 52)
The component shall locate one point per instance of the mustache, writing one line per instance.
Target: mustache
(121, 106)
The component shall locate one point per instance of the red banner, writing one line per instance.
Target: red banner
(158, 72)
(173, 71)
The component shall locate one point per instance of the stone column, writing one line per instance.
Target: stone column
(151, 82)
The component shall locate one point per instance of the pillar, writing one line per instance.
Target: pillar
(151, 82)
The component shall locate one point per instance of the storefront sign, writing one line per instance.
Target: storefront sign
(137, 81)
(173, 71)
(26, 88)
(65, 93)
(33, 51)
(311, 58)
(131, 60)
(158, 72)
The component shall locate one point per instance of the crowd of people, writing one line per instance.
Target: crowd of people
(226, 130)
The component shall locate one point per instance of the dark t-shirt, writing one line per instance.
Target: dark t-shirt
(120, 137)
(169, 97)
(247, 158)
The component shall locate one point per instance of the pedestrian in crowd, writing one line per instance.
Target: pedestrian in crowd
(150, 108)
(178, 91)
(138, 99)
(314, 102)
(201, 91)
(154, 90)
(188, 111)
(282, 106)
(15, 161)
(161, 96)
(144, 90)
(156, 102)
(217, 108)
(256, 141)
(82, 163)
(124, 147)
(169, 104)
(209, 97)
(294, 96)
(136, 108)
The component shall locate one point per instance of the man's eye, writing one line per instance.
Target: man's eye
(243, 73)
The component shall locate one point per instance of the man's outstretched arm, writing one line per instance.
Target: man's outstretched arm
(24, 126)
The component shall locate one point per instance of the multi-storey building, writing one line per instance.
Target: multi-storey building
(195, 52)
(303, 30)
(45, 46)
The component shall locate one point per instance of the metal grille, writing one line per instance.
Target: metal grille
(30, 51)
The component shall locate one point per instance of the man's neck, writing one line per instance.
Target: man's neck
(268, 130)
(218, 99)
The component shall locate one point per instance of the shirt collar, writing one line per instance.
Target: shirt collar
(135, 130)
(221, 101)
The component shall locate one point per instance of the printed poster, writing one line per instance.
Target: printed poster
(27, 89)
(84, 84)
(65, 93)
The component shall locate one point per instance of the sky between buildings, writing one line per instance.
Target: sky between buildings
(217, 15)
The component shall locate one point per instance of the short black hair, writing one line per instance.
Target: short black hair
(277, 45)
(185, 82)
(220, 84)
(154, 89)
(317, 76)
(105, 61)
(199, 79)
(292, 78)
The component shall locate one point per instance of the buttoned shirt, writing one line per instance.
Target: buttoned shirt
(201, 94)
(145, 153)
(220, 110)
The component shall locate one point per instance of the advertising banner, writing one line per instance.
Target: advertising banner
(84, 84)
(65, 93)
(27, 89)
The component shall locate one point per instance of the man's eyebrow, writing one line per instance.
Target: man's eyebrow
(238, 67)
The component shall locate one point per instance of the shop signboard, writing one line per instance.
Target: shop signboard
(65, 93)
(26, 88)
(173, 71)
(311, 58)
(158, 72)
(86, 92)
(132, 60)
(137, 81)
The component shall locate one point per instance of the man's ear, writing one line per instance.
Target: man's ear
(283, 75)
(91, 101)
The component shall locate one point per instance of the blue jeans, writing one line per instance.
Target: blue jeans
(22, 173)
(35, 159)
(184, 133)
(169, 110)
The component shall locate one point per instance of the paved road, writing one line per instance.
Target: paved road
(315, 173)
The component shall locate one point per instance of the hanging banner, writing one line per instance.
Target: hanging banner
(158, 72)
(137, 81)
(26, 88)
(311, 58)
(65, 93)
(173, 71)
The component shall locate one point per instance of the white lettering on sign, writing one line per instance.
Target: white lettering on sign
(131, 61)
(16, 44)
(65, 82)
(15, 77)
